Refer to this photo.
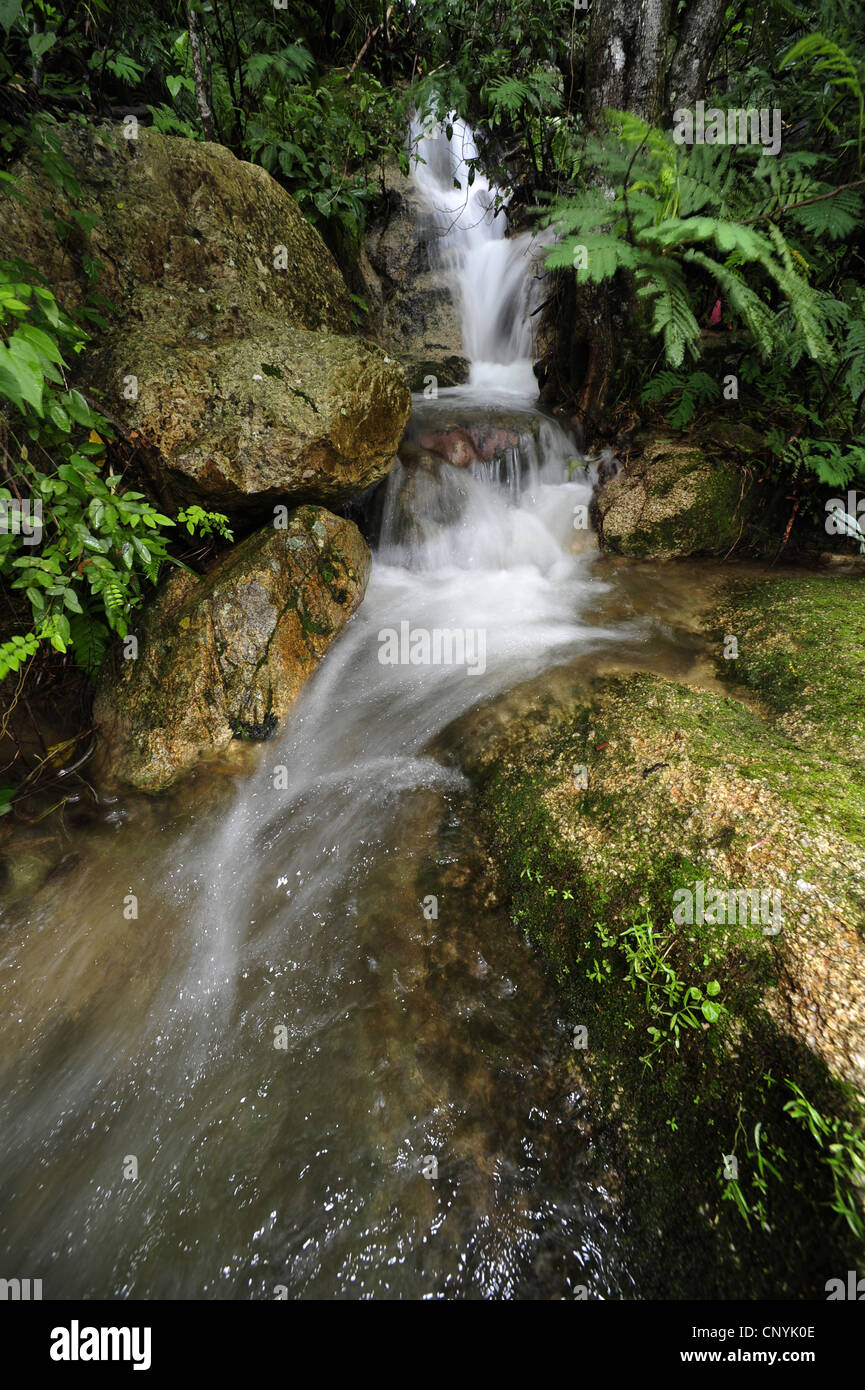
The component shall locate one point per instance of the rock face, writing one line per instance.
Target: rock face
(278, 414)
(231, 356)
(672, 498)
(411, 302)
(226, 655)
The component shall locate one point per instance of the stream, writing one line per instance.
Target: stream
(260, 1038)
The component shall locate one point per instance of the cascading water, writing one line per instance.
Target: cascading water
(494, 276)
(283, 1038)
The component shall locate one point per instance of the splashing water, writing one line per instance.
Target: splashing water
(284, 1036)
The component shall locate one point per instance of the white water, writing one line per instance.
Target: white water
(508, 564)
(494, 277)
(506, 561)
(299, 906)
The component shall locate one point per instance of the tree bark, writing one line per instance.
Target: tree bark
(626, 69)
(200, 93)
(625, 57)
(700, 34)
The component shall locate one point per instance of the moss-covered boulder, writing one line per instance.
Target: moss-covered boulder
(226, 655)
(230, 355)
(279, 415)
(667, 848)
(673, 498)
(175, 217)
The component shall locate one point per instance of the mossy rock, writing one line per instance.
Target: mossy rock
(801, 650)
(451, 370)
(183, 217)
(415, 313)
(277, 416)
(686, 786)
(673, 498)
(231, 358)
(225, 656)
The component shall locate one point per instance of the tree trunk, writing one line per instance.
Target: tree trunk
(625, 56)
(200, 93)
(625, 68)
(700, 34)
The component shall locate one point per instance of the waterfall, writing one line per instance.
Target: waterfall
(493, 276)
(292, 905)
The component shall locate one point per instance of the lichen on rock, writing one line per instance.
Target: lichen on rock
(230, 355)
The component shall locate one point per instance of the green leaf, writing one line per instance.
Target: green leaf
(10, 10)
(41, 341)
(26, 374)
(58, 416)
(78, 408)
(39, 45)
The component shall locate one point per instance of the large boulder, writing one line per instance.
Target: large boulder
(673, 498)
(225, 656)
(231, 357)
(280, 414)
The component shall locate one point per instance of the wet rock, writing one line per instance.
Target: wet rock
(231, 355)
(417, 318)
(479, 436)
(455, 445)
(428, 499)
(440, 371)
(281, 415)
(225, 656)
(23, 870)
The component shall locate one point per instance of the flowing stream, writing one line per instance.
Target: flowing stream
(239, 1092)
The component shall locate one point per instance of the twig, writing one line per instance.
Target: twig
(820, 198)
(369, 38)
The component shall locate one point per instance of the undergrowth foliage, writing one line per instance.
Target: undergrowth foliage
(98, 543)
(733, 255)
(681, 221)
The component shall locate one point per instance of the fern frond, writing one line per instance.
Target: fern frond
(673, 316)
